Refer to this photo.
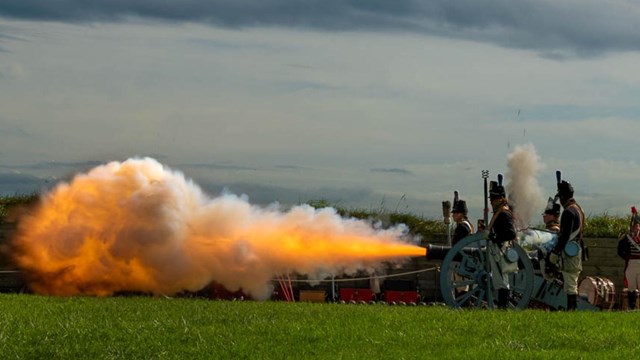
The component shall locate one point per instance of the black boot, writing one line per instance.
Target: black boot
(632, 299)
(503, 298)
(572, 302)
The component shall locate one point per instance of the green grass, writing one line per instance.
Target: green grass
(607, 226)
(37, 327)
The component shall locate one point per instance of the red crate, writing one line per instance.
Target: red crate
(352, 294)
(404, 296)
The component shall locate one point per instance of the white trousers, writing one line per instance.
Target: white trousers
(633, 274)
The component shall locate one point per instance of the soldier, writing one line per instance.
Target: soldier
(629, 250)
(568, 252)
(462, 230)
(460, 217)
(502, 232)
(551, 216)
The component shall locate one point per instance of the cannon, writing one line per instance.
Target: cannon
(466, 279)
(466, 270)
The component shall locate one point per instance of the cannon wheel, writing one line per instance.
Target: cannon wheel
(465, 265)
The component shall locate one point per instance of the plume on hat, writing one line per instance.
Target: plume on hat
(553, 208)
(496, 190)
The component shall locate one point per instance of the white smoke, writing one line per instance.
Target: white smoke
(534, 238)
(139, 226)
(523, 190)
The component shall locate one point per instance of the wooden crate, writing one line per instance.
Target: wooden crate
(317, 296)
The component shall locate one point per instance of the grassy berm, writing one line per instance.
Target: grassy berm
(38, 327)
(597, 225)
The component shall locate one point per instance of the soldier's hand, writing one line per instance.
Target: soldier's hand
(554, 258)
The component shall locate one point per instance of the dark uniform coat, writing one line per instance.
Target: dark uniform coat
(502, 227)
(462, 230)
(628, 251)
(570, 221)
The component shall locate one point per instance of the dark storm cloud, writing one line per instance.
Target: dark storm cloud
(555, 28)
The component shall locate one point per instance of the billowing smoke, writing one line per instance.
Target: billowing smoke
(523, 190)
(538, 239)
(139, 226)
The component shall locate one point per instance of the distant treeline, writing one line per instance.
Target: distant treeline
(598, 226)
(8, 204)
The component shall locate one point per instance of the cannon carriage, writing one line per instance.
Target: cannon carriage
(469, 267)
(466, 277)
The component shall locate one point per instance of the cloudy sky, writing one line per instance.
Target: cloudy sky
(371, 104)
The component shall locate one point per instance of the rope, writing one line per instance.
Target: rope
(369, 277)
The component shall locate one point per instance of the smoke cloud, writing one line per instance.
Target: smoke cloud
(524, 192)
(139, 226)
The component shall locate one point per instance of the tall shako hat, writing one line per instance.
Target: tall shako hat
(553, 208)
(565, 189)
(496, 190)
(459, 206)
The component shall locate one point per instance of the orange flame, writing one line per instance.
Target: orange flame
(137, 226)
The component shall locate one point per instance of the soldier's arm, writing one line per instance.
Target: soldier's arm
(566, 226)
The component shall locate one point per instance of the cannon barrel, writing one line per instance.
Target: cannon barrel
(438, 252)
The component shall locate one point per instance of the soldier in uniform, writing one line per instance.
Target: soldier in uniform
(502, 232)
(460, 217)
(551, 219)
(568, 252)
(629, 250)
(462, 230)
(551, 216)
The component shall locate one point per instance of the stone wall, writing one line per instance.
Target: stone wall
(604, 261)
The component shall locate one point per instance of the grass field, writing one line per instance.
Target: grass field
(37, 327)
